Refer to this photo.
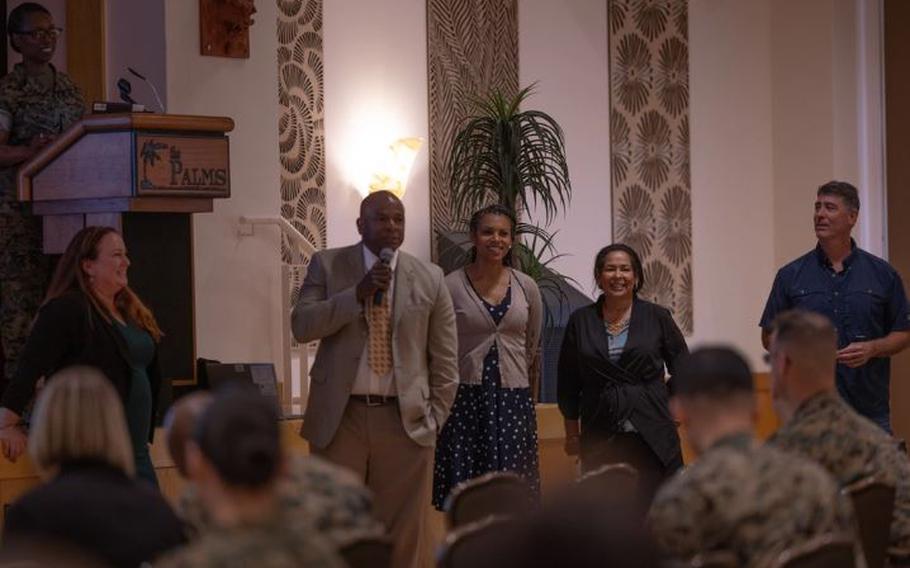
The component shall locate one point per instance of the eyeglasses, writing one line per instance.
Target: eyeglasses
(42, 34)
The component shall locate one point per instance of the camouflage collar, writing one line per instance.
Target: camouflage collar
(815, 403)
(31, 85)
(738, 440)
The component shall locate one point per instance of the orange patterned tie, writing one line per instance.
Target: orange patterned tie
(379, 321)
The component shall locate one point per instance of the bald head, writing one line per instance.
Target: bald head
(381, 222)
(181, 422)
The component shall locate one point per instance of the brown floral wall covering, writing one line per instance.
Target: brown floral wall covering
(301, 134)
(649, 145)
(472, 48)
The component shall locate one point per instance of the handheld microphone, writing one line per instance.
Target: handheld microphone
(150, 84)
(125, 89)
(385, 256)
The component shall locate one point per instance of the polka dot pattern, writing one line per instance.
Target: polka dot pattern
(491, 428)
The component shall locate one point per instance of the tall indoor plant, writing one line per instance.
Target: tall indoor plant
(515, 158)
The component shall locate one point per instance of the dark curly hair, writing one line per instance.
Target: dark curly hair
(495, 209)
(601, 259)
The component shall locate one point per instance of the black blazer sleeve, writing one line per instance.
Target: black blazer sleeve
(672, 344)
(568, 379)
(56, 334)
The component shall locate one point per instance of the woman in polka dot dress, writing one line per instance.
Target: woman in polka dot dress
(493, 425)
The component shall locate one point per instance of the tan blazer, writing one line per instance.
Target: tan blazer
(424, 342)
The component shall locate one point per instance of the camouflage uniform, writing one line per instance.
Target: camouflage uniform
(851, 447)
(274, 544)
(749, 500)
(322, 497)
(28, 106)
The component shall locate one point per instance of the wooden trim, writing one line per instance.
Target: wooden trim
(85, 47)
(121, 204)
(110, 122)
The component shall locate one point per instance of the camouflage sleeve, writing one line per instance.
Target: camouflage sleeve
(677, 518)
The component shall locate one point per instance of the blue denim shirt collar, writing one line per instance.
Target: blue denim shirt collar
(826, 262)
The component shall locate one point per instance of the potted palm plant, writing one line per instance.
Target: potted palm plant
(515, 158)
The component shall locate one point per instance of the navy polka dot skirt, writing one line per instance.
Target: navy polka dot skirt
(490, 428)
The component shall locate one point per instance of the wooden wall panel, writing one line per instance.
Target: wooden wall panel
(85, 47)
(897, 143)
(472, 48)
(649, 146)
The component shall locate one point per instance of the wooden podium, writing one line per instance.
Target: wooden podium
(144, 174)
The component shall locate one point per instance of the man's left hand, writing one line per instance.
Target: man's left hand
(857, 354)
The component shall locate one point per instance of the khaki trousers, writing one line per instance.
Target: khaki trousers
(371, 442)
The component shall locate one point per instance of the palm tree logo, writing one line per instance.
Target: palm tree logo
(150, 155)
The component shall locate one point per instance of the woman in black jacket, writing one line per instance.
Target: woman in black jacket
(91, 317)
(611, 386)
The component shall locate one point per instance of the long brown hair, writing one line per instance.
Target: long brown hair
(69, 277)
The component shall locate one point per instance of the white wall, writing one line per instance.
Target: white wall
(732, 170)
(238, 284)
(573, 87)
(136, 38)
(375, 91)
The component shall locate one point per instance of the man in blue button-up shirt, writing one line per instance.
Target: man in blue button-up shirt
(860, 293)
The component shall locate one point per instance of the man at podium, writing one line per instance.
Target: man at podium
(37, 103)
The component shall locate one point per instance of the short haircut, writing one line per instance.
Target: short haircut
(601, 260)
(15, 22)
(180, 423)
(808, 337)
(80, 416)
(716, 372)
(842, 189)
(238, 433)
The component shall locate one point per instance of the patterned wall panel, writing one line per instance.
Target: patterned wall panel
(649, 145)
(472, 48)
(301, 131)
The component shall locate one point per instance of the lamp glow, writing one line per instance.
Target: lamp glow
(393, 174)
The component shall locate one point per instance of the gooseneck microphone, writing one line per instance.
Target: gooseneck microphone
(150, 84)
(385, 256)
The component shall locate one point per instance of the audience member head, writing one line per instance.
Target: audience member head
(713, 396)
(492, 234)
(802, 354)
(576, 530)
(381, 221)
(79, 416)
(618, 271)
(95, 263)
(180, 424)
(32, 32)
(235, 456)
(836, 210)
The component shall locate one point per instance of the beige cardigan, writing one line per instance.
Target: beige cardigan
(517, 335)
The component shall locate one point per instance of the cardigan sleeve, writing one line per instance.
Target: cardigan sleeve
(535, 324)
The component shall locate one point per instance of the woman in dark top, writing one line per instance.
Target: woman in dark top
(91, 317)
(611, 375)
(89, 500)
(37, 102)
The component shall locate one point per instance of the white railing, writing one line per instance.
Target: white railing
(296, 357)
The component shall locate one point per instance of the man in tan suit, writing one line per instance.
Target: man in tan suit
(385, 374)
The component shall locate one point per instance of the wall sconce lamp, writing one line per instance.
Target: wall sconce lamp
(393, 174)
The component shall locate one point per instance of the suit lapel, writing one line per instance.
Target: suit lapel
(404, 274)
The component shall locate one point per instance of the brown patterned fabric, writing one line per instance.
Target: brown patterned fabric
(379, 322)
(301, 131)
(649, 146)
(472, 49)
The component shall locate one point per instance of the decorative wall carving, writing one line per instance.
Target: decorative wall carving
(649, 145)
(472, 48)
(301, 129)
(224, 27)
